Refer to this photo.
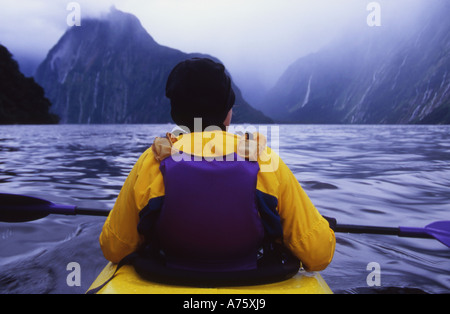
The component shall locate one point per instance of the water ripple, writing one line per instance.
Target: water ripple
(377, 175)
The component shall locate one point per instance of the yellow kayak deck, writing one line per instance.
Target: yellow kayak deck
(127, 281)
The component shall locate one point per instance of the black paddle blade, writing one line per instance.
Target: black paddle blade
(19, 208)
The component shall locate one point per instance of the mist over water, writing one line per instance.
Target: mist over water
(377, 175)
(257, 40)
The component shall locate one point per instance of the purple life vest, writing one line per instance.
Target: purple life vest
(209, 220)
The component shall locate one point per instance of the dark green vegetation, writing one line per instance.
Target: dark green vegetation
(22, 100)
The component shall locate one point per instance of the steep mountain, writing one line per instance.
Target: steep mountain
(381, 75)
(22, 100)
(111, 70)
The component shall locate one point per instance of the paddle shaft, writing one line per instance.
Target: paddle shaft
(339, 228)
(57, 209)
(18, 208)
(400, 232)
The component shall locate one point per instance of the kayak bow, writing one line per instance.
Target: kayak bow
(127, 281)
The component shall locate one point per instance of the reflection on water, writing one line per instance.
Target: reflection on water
(378, 175)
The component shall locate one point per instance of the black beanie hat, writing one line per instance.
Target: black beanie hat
(200, 88)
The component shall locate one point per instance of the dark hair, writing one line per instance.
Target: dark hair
(200, 88)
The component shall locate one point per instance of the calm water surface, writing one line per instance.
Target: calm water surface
(377, 175)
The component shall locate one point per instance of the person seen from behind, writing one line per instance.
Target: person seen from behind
(210, 204)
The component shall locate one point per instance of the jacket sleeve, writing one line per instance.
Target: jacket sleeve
(305, 232)
(119, 236)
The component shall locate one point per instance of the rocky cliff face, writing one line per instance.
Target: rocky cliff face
(112, 71)
(22, 101)
(376, 77)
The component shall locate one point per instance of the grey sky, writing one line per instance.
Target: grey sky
(256, 38)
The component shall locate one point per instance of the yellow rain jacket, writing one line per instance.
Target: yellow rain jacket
(304, 231)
